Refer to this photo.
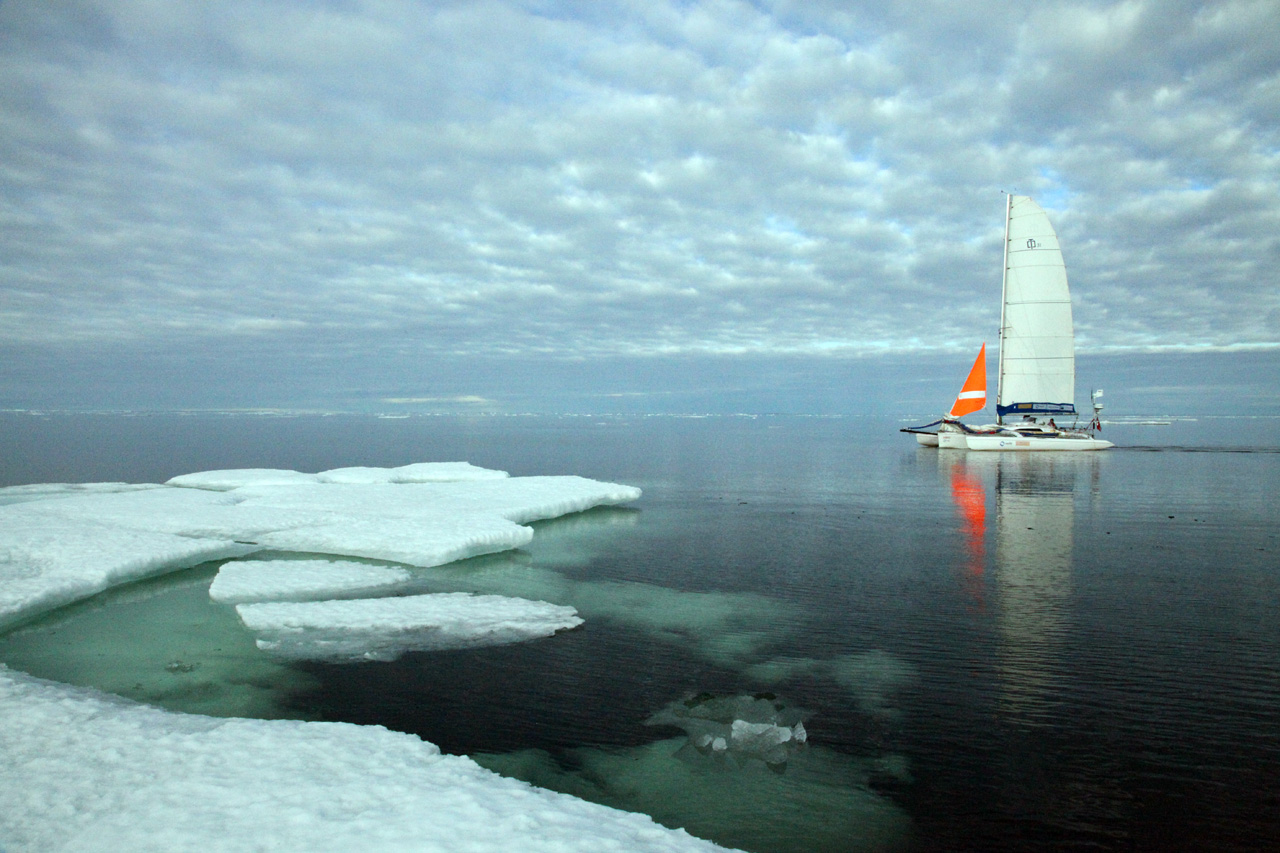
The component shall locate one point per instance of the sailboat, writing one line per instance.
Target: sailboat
(1036, 370)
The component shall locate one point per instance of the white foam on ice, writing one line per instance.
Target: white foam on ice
(385, 628)
(301, 580)
(80, 770)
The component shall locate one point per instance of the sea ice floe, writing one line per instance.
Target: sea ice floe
(47, 560)
(80, 770)
(71, 544)
(246, 581)
(418, 472)
(385, 628)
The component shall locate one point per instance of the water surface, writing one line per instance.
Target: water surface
(989, 651)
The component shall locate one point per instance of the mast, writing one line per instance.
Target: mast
(1004, 282)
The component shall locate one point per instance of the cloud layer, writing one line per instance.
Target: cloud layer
(345, 189)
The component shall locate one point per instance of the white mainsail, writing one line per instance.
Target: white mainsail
(1037, 373)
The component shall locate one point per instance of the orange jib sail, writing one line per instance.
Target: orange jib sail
(973, 396)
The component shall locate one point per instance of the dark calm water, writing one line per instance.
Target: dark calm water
(989, 651)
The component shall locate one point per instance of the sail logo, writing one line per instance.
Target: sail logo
(1031, 243)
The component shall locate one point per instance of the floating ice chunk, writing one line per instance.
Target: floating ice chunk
(299, 580)
(47, 561)
(85, 771)
(758, 737)
(759, 726)
(432, 540)
(517, 499)
(225, 481)
(419, 472)
(64, 543)
(385, 628)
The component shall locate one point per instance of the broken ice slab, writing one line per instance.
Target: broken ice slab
(248, 581)
(383, 629)
(741, 727)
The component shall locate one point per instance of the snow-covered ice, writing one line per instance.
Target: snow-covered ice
(74, 543)
(247, 581)
(385, 628)
(419, 472)
(82, 770)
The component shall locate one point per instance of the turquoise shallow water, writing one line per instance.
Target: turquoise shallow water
(988, 652)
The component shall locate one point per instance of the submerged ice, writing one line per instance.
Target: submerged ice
(737, 728)
(385, 628)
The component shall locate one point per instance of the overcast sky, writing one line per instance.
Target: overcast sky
(599, 205)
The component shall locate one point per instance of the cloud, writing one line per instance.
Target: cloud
(373, 183)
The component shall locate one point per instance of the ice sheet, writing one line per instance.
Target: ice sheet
(80, 770)
(418, 472)
(385, 628)
(47, 561)
(71, 543)
(300, 580)
(517, 499)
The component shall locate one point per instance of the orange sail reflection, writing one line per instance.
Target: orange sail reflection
(970, 498)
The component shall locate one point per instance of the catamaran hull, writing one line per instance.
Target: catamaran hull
(928, 439)
(952, 440)
(1019, 442)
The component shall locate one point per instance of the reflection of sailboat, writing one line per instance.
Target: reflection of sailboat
(1035, 514)
(1036, 372)
(970, 497)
